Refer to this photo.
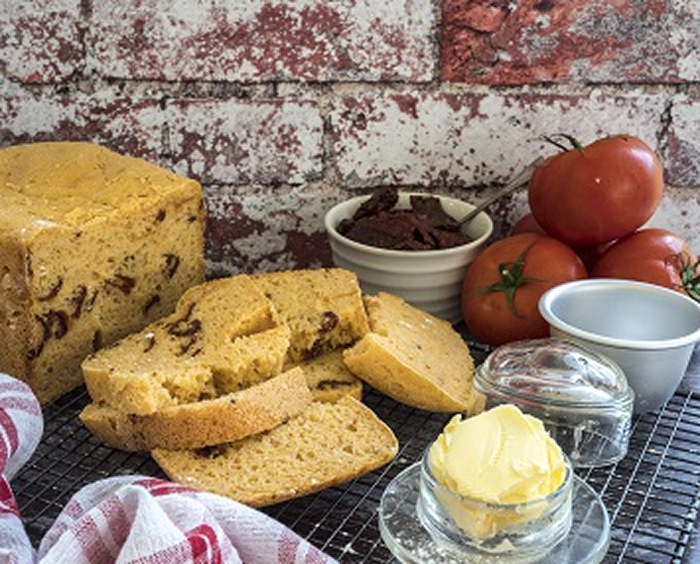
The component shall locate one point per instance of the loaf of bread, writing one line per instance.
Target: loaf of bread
(329, 379)
(230, 417)
(328, 443)
(322, 307)
(414, 358)
(93, 246)
(224, 336)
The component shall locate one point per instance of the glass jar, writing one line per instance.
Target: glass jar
(474, 530)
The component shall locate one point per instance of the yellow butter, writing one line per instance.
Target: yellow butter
(499, 456)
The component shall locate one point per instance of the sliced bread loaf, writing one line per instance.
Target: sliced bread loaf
(93, 246)
(225, 335)
(230, 417)
(322, 307)
(415, 358)
(329, 379)
(328, 443)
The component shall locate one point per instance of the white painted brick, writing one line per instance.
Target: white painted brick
(472, 140)
(231, 141)
(259, 40)
(683, 145)
(126, 125)
(41, 39)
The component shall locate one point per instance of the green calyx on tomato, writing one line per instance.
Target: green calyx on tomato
(504, 283)
(511, 278)
(688, 272)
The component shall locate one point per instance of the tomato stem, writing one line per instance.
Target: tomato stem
(575, 143)
(511, 278)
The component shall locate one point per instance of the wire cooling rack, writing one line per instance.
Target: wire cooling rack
(652, 495)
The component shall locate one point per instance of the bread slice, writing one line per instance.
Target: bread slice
(225, 335)
(329, 379)
(414, 358)
(327, 444)
(322, 307)
(230, 417)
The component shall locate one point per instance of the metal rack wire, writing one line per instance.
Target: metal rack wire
(652, 496)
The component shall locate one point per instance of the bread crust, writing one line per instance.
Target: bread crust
(230, 417)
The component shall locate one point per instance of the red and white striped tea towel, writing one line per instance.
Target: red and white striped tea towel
(136, 519)
(151, 521)
(21, 427)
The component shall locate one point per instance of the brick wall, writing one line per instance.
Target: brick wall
(281, 108)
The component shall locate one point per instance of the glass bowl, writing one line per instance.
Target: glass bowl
(472, 528)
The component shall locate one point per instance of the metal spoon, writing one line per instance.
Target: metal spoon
(519, 180)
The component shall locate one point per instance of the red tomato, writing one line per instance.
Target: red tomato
(594, 194)
(503, 285)
(589, 253)
(526, 224)
(652, 255)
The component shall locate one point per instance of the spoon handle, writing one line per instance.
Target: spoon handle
(519, 180)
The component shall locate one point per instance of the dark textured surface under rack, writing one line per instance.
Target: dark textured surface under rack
(652, 496)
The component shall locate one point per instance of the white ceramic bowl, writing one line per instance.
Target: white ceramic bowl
(648, 330)
(430, 280)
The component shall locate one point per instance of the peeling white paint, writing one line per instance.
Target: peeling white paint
(447, 144)
(247, 142)
(271, 153)
(34, 36)
(393, 38)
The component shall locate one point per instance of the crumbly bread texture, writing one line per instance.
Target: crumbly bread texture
(93, 246)
(230, 417)
(322, 307)
(327, 444)
(329, 379)
(415, 358)
(224, 336)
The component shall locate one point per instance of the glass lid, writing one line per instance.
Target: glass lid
(554, 371)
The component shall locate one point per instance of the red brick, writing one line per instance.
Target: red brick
(270, 229)
(456, 140)
(584, 41)
(41, 40)
(235, 141)
(124, 125)
(682, 154)
(258, 40)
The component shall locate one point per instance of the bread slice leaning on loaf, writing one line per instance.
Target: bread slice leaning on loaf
(230, 417)
(327, 444)
(414, 358)
(93, 246)
(322, 307)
